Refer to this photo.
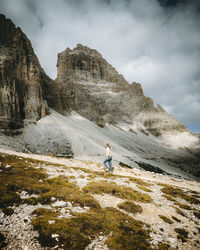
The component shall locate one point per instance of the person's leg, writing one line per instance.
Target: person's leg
(105, 161)
(110, 163)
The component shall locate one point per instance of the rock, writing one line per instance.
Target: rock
(53, 199)
(51, 221)
(59, 204)
(55, 235)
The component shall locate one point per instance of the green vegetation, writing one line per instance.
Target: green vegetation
(182, 234)
(76, 233)
(165, 219)
(130, 207)
(115, 190)
(178, 193)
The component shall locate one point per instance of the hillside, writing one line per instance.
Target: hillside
(88, 103)
(56, 203)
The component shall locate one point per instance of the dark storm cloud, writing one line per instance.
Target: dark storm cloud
(152, 42)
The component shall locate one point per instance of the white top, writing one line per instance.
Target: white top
(108, 152)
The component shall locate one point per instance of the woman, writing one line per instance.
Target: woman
(108, 157)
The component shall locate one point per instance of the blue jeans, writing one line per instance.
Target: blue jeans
(109, 160)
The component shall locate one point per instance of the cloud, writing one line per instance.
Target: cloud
(152, 42)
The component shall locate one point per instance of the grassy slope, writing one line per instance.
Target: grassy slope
(122, 225)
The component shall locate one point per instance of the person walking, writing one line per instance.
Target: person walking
(108, 157)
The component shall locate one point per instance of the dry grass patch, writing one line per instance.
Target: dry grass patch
(178, 193)
(144, 188)
(76, 233)
(116, 190)
(22, 176)
(183, 206)
(169, 197)
(130, 207)
(176, 219)
(139, 181)
(166, 219)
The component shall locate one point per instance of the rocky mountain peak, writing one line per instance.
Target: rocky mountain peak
(22, 79)
(83, 63)
(12, 36)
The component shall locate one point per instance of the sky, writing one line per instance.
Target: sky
(153, 42)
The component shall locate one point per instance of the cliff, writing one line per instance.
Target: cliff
(23, 83)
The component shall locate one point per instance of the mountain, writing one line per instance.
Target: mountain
(88, 103)
(94, 89)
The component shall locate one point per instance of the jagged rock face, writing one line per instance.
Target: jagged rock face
(21, 80)
(94, 89)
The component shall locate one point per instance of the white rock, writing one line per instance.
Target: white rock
(51, 221)
(53, 199)
(60, 204)
(54, 235)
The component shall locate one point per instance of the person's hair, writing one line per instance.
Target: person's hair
(107, 144)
